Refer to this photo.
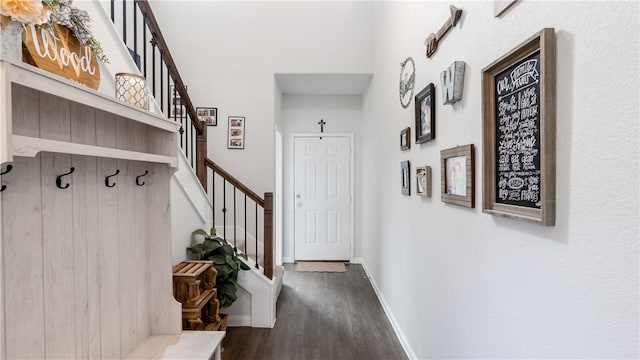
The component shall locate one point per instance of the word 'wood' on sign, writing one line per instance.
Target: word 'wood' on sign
(57, 51)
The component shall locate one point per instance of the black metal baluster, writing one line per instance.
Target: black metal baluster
(161, 81)
(135, 28)
(187, 134)
(181, 125)
(144, 41)
(153, 64)
(224, 208)
(246, 250)
(169, 95)
(124, 21)
(235, 245)
(113, 11)
(172, 112)
(257, 257)
(194, 139)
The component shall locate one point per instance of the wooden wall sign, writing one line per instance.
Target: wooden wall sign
(452, 81)
(519, 132)
(432, 40)
(62, 54)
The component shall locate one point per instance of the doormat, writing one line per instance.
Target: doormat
(312, 266)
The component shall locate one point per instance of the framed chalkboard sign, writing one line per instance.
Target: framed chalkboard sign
(519, 132)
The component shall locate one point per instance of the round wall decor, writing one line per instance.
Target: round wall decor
(407, 81)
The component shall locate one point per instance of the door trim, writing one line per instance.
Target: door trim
(352, 202)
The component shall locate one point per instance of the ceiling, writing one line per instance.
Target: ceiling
(323, 84)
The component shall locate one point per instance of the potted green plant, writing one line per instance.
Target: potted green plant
(226, 261)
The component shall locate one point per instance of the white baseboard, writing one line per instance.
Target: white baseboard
(356, 261)
(239, 320)
(392, 319)
(288, 260)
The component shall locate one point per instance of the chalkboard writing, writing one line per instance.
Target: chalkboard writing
(517, 109)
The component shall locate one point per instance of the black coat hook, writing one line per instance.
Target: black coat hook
(9, 167)
(59, 179)
(106, 180)
(138, 182)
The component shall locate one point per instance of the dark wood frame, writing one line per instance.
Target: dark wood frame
(428, 91)
(208, 108)
(469, 199)
(428, 184)
(406, 134)
(235, 127)
(543, 41)
(405, 168)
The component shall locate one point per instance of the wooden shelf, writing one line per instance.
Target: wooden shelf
(30, 147)
(37, 79)
(16, 75)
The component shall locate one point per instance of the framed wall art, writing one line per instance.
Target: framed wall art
(423, 181)
(405, 139)
(176, 108)
(208, 114)
(236, 132)
(458, 176)
(405, 168)
(425, 105)
(519, 132)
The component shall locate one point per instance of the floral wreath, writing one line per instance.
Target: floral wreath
(47, 12)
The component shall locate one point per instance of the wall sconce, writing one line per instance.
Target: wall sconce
(132, 89)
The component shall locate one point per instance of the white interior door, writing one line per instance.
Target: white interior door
(322, 198)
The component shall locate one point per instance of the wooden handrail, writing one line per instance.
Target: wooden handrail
(145, 8)
(235, 182)
(267, 206)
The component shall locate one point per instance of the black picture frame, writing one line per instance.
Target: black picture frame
(425, 108)
(405, 176)
(208, 114)
(405, 139)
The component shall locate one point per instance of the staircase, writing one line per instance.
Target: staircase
(241, 216)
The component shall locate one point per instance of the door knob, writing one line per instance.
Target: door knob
(298, 204)
(297, 196)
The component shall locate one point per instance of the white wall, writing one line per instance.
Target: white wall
(300, 114)
(240, 46)
(190, 208)
(463, 284)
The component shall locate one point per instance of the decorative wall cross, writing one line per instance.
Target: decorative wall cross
(322, 124)
(432, 39)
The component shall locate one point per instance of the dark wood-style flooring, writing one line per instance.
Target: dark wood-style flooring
(320, 316)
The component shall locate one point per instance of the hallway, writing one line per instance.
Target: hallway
(320, 316)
